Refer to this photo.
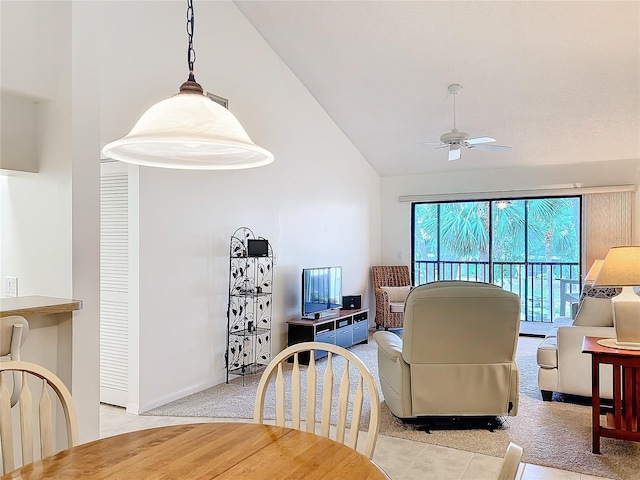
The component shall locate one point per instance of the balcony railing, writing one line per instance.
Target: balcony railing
(544, 288)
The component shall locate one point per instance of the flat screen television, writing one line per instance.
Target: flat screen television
(321, 291)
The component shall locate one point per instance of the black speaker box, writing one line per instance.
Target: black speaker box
(352, 302)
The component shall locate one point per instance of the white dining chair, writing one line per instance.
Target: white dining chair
(347, 396)
(28, 416)
(14, 330)
(510, 462)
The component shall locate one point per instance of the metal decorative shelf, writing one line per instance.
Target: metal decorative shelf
(250, 307)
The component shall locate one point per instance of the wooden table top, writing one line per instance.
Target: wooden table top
(591, 345)
(206, 451)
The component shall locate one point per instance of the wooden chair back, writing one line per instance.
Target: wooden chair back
(13, 333)
(347, 396)
(510, 462)
(28, 417)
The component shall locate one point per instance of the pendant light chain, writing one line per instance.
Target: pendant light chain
(191, 53)
(191, 86)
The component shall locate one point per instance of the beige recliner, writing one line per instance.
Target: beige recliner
(457, 355)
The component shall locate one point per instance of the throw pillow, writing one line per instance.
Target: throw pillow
(397, 294)
(594, 312)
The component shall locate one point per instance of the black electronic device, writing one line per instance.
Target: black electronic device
(257, 247)
(352, 302)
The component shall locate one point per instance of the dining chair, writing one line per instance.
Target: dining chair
(44, 416)
(351, 393)
(14, 330)
(510, 462)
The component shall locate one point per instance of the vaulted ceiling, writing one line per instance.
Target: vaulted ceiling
(557, 81)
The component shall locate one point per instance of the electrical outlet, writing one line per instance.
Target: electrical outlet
(11, 289)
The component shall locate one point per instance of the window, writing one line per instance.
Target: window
(527, 246)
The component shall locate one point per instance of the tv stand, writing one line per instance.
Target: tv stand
(323, 314)
(344, 328)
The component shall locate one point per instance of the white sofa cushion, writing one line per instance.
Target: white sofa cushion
(548, 353)
(397, 294)
(594, 312)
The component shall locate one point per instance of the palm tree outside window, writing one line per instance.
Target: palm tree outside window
(524, 245)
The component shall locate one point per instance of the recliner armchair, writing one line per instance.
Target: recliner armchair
(457, 355)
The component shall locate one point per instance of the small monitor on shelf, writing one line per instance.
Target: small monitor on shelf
(258, 247)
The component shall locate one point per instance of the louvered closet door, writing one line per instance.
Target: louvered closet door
(114, 284)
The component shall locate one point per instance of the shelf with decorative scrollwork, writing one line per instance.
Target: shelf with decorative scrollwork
(250, 306)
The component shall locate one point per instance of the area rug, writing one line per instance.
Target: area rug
(555, 434)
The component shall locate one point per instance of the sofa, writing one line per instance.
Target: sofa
(562, 367)
(457, 354)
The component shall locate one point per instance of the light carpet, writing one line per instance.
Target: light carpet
(554, 434)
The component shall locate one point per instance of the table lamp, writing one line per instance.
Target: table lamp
(591, 275)
(621, 268)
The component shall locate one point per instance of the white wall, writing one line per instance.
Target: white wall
(36, 217)
(318, 204)
(49, 222)
(396, 216)
(86, 27)
(19, 127)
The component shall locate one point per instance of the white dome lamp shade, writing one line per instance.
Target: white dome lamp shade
(188, 131)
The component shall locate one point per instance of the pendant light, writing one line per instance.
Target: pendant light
(188, 131)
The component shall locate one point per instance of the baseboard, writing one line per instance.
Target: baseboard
(143, 408)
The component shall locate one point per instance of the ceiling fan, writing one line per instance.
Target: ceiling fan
(455, 140)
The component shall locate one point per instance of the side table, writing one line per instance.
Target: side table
(626, 394)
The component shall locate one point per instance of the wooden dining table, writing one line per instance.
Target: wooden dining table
(206, 451)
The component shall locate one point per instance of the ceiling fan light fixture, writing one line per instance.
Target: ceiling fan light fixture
(189, 131)
(456, 139)
(454, 136)
(454, 152)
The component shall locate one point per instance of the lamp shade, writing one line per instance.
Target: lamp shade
(188, 131)
(591, 275)
(621, 268)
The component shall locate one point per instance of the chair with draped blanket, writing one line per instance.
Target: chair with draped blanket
(391, 286)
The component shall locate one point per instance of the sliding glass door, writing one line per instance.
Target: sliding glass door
(527, 246)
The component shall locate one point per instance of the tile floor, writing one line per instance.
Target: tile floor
(401, 459)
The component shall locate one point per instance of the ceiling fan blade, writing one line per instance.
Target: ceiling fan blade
(491, 148)
(440, 145)
(478, 140)
(454, 153)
